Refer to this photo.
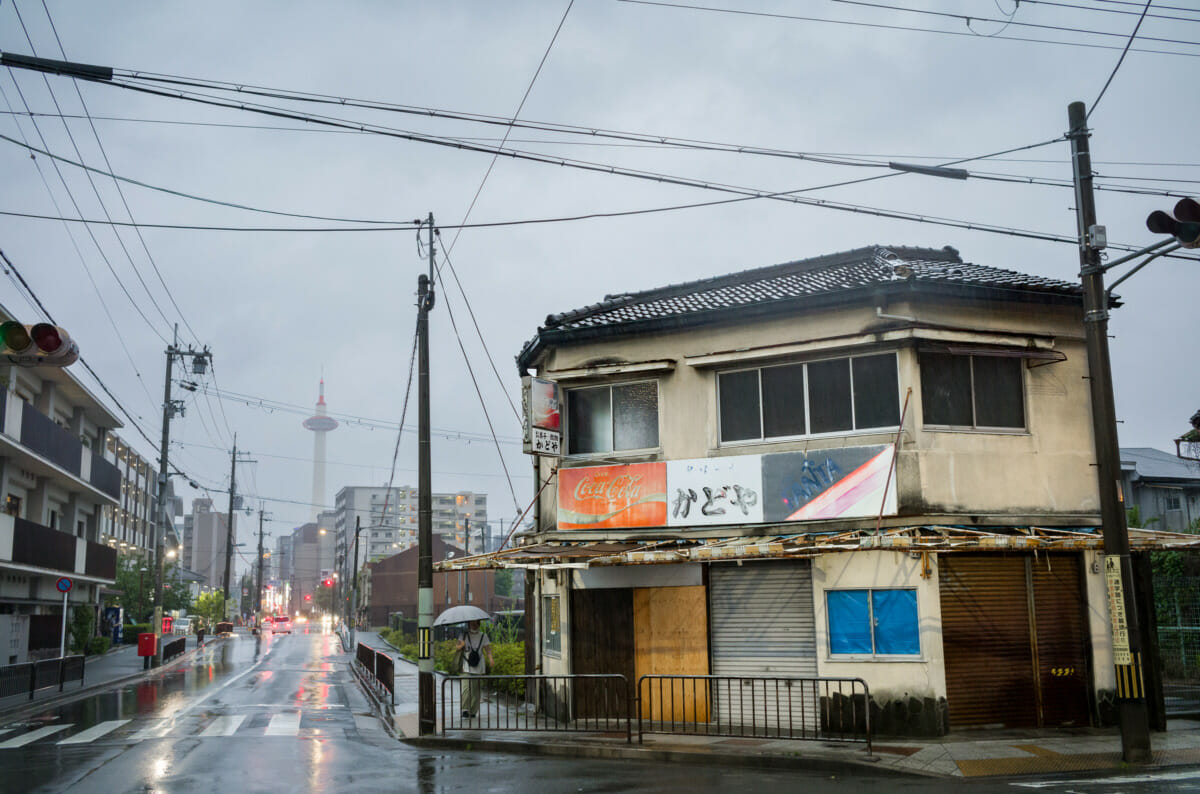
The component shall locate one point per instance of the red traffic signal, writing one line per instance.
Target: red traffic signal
(1184, 224)
(41, 344)
(328, 583)
(307, 597)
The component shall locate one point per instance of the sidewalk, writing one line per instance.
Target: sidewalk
(117, 666)
(965, 754)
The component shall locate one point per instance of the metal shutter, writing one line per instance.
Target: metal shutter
(762, 625)
(985, 639)
(996, 672)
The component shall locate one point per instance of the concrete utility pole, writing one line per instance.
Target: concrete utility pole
(1132, 713)
(200, 360)
(258, 591)
(354, 587)
(427, 719)
(229, 528)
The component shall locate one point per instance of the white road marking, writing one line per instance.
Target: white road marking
(154, 730)
(1114, 781)
(32, 736)
(224, 726)
(6, 730)
(284, 724)
(95, 732)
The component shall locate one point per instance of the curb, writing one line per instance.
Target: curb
(837, 766)
(66, 697)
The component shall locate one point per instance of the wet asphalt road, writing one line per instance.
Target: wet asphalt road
(283, 714)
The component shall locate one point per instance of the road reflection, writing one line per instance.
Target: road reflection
(162, 694)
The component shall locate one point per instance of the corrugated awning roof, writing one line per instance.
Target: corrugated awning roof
(939, 539)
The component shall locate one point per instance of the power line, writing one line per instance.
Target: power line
(907, 28)
(1120, 60)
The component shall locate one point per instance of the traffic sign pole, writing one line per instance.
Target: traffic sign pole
(64, 586)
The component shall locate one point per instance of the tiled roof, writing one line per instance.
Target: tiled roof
(862, 267)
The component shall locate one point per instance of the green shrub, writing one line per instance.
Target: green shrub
(98, 646)
(81, 628)
(509, 659)
(132, 630)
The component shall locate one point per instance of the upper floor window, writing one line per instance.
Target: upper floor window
(976, 391)
(612, 418)
(830, 396)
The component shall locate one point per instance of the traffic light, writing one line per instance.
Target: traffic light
(1184, 224)
(41, 344)
(308, 597)
(327, 582)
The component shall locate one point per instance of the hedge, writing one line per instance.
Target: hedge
(98, 646)
(132, 630)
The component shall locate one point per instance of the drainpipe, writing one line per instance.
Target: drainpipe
(880, 314)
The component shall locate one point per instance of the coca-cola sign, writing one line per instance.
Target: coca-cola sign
(596, 497)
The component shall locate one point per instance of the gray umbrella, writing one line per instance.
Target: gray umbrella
(461, 614)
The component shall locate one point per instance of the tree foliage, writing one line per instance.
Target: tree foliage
(136, 588)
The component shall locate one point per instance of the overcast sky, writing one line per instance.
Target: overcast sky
(848, 81)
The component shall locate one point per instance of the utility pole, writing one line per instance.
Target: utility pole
(467, 552)
(258, 596)
(1132, 712)
(427, 719)
(229, 523)
(200, 360)
(354, 587)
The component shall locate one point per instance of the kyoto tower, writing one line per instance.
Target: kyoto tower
(320, 424)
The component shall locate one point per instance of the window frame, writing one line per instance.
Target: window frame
(975, 427)
(872, 624)
(804, 364)
(568, 392)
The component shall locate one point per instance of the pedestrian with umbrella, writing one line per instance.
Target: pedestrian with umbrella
(475, 649)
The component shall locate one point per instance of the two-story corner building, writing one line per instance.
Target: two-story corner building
(873, 464)
(57, 478)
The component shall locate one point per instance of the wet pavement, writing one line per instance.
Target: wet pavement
(245, 713)
(968, 754)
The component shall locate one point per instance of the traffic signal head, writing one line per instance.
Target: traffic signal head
(307, 597)
(41, 344)
(1184, 224)
(328, 583)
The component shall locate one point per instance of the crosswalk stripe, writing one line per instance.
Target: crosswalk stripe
(153, 730)
(284, 724)
(95, 732)
(6, 730)
(224, 726)
(32, 736)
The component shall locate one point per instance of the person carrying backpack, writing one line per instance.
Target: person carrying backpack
(477, 658)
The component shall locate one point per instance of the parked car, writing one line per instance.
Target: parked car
(282, 624)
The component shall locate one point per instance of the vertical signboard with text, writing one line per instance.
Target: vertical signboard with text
(541, 405)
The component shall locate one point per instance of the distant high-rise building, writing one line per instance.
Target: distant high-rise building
(319, 424)
(208, 539)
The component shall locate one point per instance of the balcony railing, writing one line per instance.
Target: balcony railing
(42, 435)
(42, 547)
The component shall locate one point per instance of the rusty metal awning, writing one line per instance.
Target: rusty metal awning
(927, 538)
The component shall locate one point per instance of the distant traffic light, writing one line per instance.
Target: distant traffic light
(308, 597)
(328, 583)
(1184, 225)
(36, 345)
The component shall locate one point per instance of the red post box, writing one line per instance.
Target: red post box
(146, 645)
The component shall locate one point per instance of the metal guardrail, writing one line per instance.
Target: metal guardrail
(379, 666)
(17, 679)
(826, 709)
(173, 648)
(569, 703)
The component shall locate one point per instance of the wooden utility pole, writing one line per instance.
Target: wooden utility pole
(1132, 713)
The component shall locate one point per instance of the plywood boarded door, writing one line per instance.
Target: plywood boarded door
(670, 630)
